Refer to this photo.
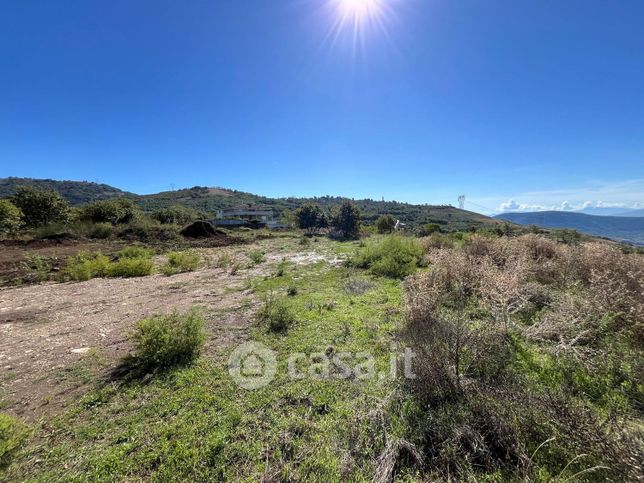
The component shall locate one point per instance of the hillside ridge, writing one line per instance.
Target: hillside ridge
(211, 199)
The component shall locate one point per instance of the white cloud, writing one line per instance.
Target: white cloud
(623, 194)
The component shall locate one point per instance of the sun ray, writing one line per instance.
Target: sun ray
(358, 19)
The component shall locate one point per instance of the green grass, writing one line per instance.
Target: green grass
(196, 423)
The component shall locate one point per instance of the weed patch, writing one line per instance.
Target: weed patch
(179, 262)
(166, 340)
(277, 313)
(256, 256)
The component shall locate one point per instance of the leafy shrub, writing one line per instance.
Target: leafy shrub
(86, 266)
(147, 231)
(166, 340)
(392, 256)
(291, 291)
(179, 262)
(100, 230)
(117, 211)
(38, 268)
(256, 256)
(277, 313)
(130, 267)
(13, 434)
(385, 224)
(40, 207)
(175, 215)
(10, 218)
(135, 251)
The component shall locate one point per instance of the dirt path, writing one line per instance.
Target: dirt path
(51, 335)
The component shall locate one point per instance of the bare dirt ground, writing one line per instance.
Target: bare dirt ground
(57, 338)
(52, 334)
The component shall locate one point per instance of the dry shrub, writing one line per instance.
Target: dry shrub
(538, 248)
(502, 288)
(519, 340)
(568, 324)
(454, 276)
(436, 240)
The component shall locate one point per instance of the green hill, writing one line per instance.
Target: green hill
(76, 192)
(210, 200)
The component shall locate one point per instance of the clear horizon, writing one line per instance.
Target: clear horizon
(529, 106)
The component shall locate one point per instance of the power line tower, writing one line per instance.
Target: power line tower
(461, 202)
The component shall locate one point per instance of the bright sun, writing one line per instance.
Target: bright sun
(359, 8)
(359, 17)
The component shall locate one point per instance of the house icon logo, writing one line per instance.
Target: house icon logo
(252, 365)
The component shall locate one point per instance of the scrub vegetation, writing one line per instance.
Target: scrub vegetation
(527, 360)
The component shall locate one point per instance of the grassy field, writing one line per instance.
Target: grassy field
(308, 302)
(196, 422)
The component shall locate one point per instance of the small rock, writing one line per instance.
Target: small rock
(81, 350)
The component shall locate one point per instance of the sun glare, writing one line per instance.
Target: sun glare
(358, 8)
(359, 18)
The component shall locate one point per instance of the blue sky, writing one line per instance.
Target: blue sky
(527, 103)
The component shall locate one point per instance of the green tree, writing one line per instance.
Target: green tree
(347, 221)
(176, 214)
(40, 207)
(289, 217)
(116, 211)
(10, 218)
(311, 218)
(385, 224)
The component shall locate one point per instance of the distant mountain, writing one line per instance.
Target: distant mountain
(631, 213)
(621, 228)
(210, 200)
(605, 211)
(76, 192)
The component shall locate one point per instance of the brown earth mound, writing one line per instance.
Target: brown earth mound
(202, 229)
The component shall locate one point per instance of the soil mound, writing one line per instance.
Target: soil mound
(202, 229)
